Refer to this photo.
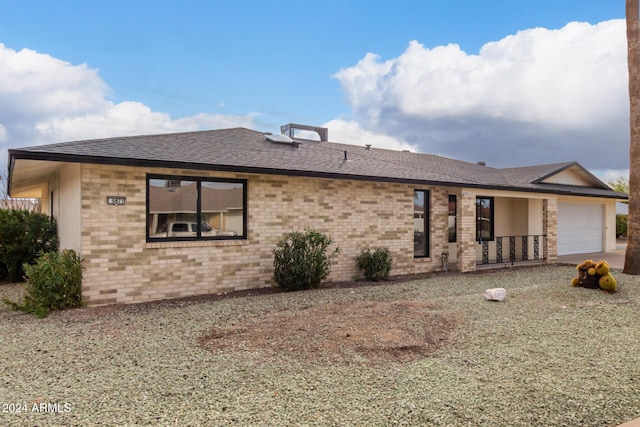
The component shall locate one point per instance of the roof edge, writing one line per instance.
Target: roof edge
(570, 165)
(17, 154)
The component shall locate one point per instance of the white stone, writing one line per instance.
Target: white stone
(495, 294)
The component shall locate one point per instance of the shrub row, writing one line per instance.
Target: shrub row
(301, 261)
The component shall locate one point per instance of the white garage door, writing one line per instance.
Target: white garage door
(580, 228)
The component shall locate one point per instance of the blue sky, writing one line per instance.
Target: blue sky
(399, 74)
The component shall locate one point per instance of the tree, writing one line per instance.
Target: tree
(3, 186)
(632, 255)
(620, 184)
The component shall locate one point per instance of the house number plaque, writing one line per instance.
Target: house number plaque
(116, 200)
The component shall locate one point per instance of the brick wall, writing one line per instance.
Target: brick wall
(120, 266)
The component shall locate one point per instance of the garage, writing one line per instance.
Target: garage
(580, 228)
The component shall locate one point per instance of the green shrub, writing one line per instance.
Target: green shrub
(621, 225)
(375, 265)
(23, 235)
(53, 283)
(301, 260)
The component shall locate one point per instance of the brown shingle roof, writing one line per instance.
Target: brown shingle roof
(244, 150)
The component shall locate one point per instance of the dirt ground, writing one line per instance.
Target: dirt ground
(363, 332)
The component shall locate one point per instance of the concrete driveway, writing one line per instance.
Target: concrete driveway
(614, 258)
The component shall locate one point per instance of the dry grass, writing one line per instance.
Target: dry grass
(426, 352)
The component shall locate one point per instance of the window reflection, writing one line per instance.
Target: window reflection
(174, 210)
(484, 218)
(420, 223)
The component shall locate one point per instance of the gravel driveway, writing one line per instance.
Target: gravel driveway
(550, 354)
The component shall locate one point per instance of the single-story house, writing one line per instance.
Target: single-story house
(174, 215)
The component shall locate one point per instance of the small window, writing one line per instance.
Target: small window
(484, 218)
(420, 223)
(453, 237)
(188, 208)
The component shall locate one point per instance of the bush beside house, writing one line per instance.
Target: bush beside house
(23, 235)
(53, 283)
(301, 260)
(375, 265)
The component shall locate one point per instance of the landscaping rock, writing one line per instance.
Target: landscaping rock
(495, 294)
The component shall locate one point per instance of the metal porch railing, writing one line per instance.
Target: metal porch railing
(511, 249)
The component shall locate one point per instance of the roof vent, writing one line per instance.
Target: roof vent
(482, 163)
(368, 146)
(290, 130)
(281, 139)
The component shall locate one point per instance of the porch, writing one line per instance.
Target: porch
(512, 229)
(510, 250)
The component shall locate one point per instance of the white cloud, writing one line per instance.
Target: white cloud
(539, 96)
(47, 100)
(131, 118)
(32, 83)
(350, 132)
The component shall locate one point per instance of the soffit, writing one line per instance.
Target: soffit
(29, 176)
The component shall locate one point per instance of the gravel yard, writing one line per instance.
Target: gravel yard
(430, 351)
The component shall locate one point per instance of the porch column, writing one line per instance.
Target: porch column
(466, 232)
(550, 229)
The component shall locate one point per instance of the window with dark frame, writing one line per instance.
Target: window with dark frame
(192, 208)
(484, 219)
(420, 223)
(452, 221)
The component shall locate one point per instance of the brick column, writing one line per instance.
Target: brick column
(466, 232)
(550, 229)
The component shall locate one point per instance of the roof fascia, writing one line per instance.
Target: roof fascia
(72, 158)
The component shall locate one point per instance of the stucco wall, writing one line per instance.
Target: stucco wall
(120, 266)
(69, 219)
(610, 243)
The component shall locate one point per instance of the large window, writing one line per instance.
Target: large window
(188, 208)
(420, 223)
(453, 235)
(484, 218)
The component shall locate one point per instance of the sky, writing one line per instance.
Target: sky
(510, 83)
